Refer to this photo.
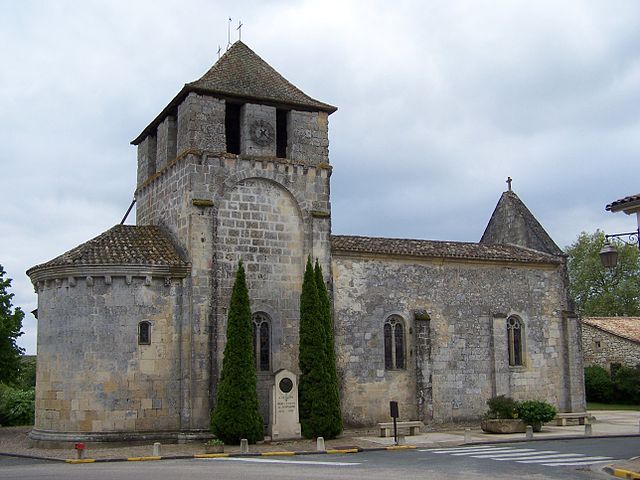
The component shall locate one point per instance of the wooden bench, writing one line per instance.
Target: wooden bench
(386, 428)
(561, 418)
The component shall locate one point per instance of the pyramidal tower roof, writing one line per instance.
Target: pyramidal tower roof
(241, 74)
(513, 223)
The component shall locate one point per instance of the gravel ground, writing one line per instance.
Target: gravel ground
(15, 440)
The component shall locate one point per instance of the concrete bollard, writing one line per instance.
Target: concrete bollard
(401, 440)
(156, 449)
(320, 444)
(587, 429)
(529, 434)
(467, 435)
(244, 445)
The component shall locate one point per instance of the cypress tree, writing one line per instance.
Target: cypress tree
(334, 413)
(236, 414)
(314, 387)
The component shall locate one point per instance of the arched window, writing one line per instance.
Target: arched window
(262, 341)
(515, 337)
(144, 333)
(394, 344)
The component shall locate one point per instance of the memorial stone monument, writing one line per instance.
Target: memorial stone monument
(285, 420)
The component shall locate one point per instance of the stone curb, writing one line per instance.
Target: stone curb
(74, 461)
(336, 451)
(622, 473)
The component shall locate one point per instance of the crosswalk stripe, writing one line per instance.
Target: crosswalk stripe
(457, 449)
(524, 456)
(550, 458)
(567, 457)
(503, 449)
(577, 463)
(454, 450)
(516, 452)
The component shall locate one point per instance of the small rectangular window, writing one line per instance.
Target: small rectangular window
(281, 133)
(232, 127)
(144, 333)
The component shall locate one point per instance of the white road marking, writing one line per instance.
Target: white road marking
(568, 457)
(516, 452)
(456, 449)
(296, 462)
(550, 458)
(502, 449)
(524, 456)
(579, 463)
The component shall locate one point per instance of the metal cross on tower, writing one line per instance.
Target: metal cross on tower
(509, 180)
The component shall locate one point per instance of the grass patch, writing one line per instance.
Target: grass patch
(610, 406)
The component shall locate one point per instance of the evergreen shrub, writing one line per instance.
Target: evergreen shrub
(626, 385)
(502, 407)
(598, 385)
(535, 412)
(236, 415)
(317, 391)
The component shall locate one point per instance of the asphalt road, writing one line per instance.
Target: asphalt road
(570, 459)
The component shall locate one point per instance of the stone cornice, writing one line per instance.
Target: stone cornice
(203, 154)
(78, 271)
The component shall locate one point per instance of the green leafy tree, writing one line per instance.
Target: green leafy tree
(597, 384)
(10, 330)
(236, 414)
(314, 387)
(600, 292)
(334, 412)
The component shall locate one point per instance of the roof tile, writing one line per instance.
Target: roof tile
(625, 327)
(622, 202)
(121, 245)
(240, 72)
(440, 249)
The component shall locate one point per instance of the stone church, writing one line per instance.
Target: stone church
(132, 323)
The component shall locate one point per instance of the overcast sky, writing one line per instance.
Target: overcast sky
(438, 103)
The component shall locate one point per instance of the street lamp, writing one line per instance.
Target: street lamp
(609, 253)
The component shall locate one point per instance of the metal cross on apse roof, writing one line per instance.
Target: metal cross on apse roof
(509, 180)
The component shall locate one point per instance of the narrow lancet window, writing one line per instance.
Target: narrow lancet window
(515, 332)
(262, 341)
(394, 343)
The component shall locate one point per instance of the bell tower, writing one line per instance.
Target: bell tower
(236, 167)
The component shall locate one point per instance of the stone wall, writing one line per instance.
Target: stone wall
(192, 197)
(201, 124)
(249, 114)
(308, 137)
(92, 374)
(166, 142)
(147, 152)
(603, 348)
(460, 336)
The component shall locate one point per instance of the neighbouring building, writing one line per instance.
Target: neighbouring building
(611, 341)
(132, 323)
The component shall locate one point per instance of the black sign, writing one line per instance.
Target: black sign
(393, 408)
